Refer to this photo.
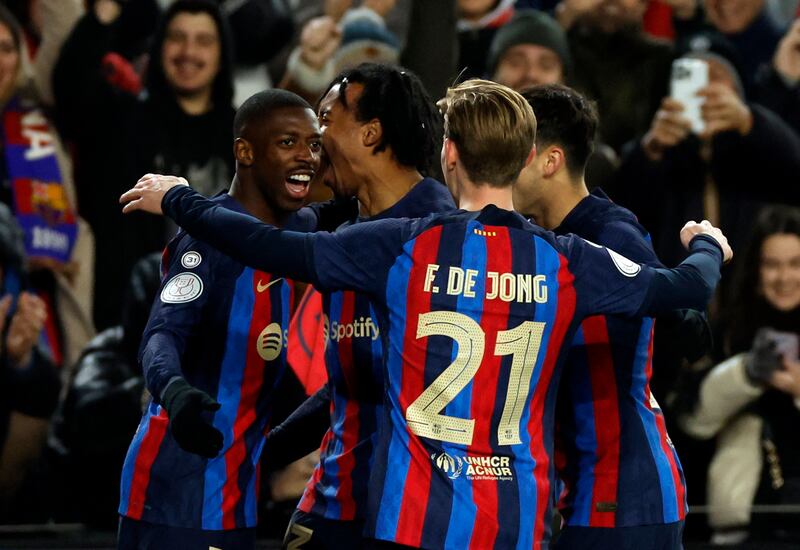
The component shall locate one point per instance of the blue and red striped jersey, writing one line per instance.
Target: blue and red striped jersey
(620, 468)
(227, 324)
(354, 361)
(479, 310)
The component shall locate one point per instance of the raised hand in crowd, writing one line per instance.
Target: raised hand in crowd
(107, 11)
(682, 9)
(319, 40)
(24, 327)
(723, 110)
(381, 7)
(669, 128)
(337, 8)
(569, 11)
(787, 56)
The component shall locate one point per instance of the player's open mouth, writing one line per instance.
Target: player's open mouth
(298, 184)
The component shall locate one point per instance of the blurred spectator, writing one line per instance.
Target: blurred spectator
(751, 401)
(328, 46)
(183, 125)
(616, 63)
(46, 24)
(746, 24)
(29, 381)
(746, 155)
(532, 49)
(36, 183)
(778, 84)
(101, 410)
(478, 21)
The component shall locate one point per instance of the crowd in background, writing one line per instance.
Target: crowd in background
(96, 93)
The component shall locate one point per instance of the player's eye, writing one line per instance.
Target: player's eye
(287, 142)
(316, 146)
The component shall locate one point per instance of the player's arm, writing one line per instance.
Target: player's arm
(608, 283)
(301, 433)
(181, 303)
(352, 259)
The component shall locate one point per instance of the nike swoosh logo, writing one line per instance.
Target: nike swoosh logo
(262, 288)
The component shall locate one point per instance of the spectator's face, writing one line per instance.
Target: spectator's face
(342, 138)
(191, 53)
(732, 16)
(611, 16)
(526, 65)
(780, 271)
(472, 10)
(9, 62)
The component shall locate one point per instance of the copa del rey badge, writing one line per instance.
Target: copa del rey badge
(182, 288)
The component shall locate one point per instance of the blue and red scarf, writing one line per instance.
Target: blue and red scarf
(40, 201)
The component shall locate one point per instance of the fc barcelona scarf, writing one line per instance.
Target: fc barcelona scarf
(39, 198)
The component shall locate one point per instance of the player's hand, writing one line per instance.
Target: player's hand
(319, 40)
(787, 379)
(724, 111)
(669, 128)
(692, 229)
(787, 56)
(337, 8)
(186, 406)
(148, 193)
(25, 327)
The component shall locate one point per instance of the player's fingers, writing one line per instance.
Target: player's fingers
(132, 206)
(129, 195)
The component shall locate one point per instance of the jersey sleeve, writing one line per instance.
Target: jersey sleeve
(178, 308)
(608, 283)
(360, 256)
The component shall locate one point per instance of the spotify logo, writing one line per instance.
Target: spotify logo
(270, 342)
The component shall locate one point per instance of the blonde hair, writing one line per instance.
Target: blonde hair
(493, 127)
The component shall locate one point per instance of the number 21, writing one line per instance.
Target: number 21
(522, 343)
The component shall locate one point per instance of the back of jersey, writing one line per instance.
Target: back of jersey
(477, 316)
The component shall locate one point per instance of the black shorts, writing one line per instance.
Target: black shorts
(141, 535)
(666, 536)
(313, 532)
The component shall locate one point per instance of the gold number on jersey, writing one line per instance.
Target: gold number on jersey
(423, 414)
(522, 343)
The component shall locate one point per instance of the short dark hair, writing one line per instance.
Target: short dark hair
(412, 125)
(565, 118)
(258, 106)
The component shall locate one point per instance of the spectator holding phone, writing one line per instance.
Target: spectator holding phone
(744, 157)
(751, 401)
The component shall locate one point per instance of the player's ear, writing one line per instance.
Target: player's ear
(554, 160)
(371, 133)
(450, 155)
(243, 152)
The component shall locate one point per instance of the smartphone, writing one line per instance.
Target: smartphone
(688, 77)
(787, 344)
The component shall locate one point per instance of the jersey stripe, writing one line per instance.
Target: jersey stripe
(228, 396)
(350, 428)
(252, 378)
(408, 512)
(606, 419)
(148, 450)
(565, 311)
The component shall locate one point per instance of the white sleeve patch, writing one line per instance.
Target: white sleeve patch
(191, 259)
(182, 288)
(624, 265)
